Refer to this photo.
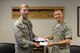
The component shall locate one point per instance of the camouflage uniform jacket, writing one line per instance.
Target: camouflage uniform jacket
(23, 36)
(61, 32)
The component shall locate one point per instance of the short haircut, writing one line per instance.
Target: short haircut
(24, 6)
(58, 10)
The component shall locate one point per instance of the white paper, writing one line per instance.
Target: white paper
(40, 39)
(43, 43)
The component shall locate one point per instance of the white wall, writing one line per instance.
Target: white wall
(41, 27)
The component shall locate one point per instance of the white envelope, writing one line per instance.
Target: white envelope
(43, 43)
(40, 39)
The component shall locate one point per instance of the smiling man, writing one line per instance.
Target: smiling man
(61, 34)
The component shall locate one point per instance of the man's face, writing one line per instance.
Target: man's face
(58, 15)
(24, 11)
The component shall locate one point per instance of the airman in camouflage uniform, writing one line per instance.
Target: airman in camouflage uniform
(23, 32)
(61, 34)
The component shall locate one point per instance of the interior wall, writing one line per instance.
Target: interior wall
(41, 27)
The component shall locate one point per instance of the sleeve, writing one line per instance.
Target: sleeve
(20, 38)
(33, 35)
(68, 32)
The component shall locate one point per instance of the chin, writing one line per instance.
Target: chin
(58, 19)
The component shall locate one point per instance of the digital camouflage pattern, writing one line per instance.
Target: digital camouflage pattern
(61, 32)
(23, 36)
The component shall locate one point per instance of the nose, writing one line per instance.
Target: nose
(26, 12)
(57, 15)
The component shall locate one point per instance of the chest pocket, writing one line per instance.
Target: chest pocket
(60, 33)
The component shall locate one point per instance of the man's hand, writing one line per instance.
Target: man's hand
(37, 44)
(50, 44)
(49, 37)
